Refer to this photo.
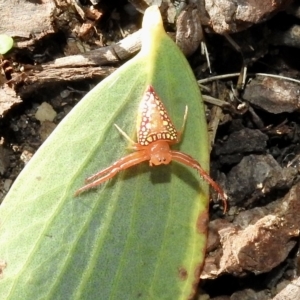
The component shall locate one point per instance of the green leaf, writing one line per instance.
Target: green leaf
(139, 236)
(6, 43)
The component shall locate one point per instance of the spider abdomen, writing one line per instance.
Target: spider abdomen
(153, 122)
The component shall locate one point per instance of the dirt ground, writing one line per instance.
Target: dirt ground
(253, 250)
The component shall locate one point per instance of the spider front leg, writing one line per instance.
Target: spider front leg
(122, 164)
(191, 162)
(179, 133)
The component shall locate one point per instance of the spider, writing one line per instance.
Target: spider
(155, 134)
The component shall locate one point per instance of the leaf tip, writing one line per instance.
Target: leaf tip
(152, 18)
(6, 43)
(153, 30)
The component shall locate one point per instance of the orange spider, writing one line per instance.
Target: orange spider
(155, 134)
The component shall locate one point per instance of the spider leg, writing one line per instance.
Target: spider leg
(179, 134)
(191, 162)
(125, 134)
(121, 164)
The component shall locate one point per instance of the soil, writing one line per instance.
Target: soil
(253, 250)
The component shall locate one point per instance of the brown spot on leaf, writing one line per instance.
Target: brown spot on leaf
(202, 222)
(3, 265)
(183, 274)
(202, 227)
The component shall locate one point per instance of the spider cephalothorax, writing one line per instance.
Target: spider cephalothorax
(155, 133)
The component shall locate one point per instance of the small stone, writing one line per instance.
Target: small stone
(26, 156)
(65, 93)
(254, 177)
(273, 95)
(45, 112)
(7, 184)
(243, 141)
